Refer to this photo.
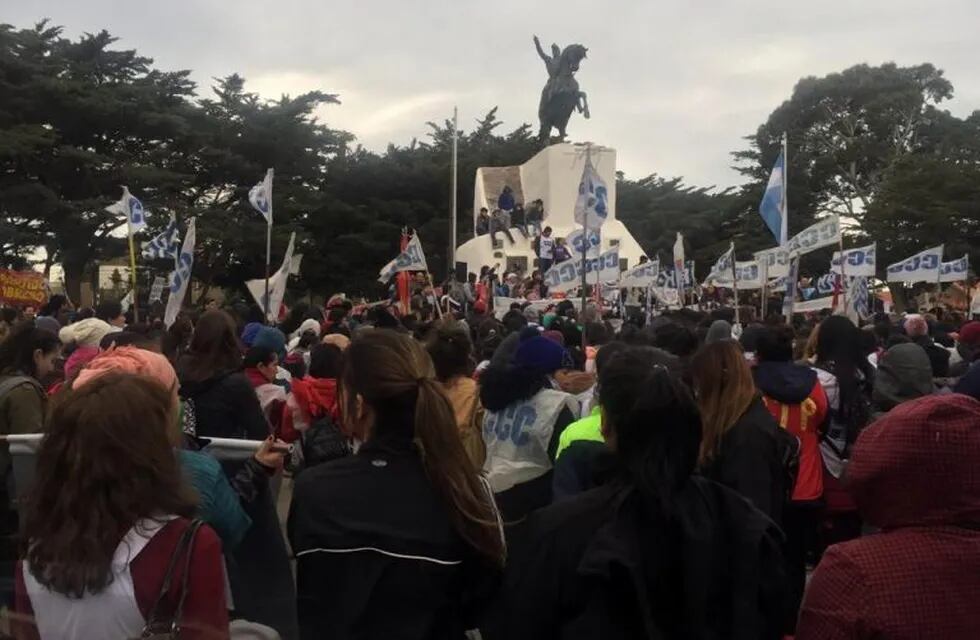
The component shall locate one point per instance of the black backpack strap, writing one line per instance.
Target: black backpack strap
(185, 546)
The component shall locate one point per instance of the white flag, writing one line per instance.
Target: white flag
(722, 268)
(156, 291)
(181, 277)
(411, 259)
(277, 284)
(776, 261)
(679, 254)
(922, 267)
(857, 262)
(642, 275)
(129, 206)
(567, 275)
(956, 270)
(260, 196)
(576, 240)
(165, 245)
(821, 234)
(592, 205)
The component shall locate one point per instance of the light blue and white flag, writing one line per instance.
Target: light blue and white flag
(857, 262)
(592, 205)
(411, 259)
(181, 277)
(773, 205)
(260, 196)
(922, 267)
(129, 206)
(956, 270)
(165, 245)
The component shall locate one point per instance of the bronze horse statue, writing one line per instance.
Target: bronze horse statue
(561, 94)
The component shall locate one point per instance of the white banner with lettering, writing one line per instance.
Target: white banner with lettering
(956, 270)
(747, 275)
(857, 262)
(776, 261)
(922, 267)
(822, 234)
(642, 275)
(568, 275)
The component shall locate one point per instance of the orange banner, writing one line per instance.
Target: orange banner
(22, 288)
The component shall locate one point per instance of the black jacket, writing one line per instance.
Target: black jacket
(376, 553)
(938, 356)
(599, 565)
(749, 460)
(225, 406)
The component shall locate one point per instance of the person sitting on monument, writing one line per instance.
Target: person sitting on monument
(506, 200)
(519, 219)
(483, 222)
(500, 221)
(535, 216)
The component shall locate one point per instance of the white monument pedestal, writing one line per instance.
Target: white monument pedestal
(553, 176)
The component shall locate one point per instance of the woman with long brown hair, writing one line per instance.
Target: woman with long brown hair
(212, 384)
(409, 505)
(741, 446)
(106, 516)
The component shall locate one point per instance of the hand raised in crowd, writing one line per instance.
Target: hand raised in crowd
(272, 453)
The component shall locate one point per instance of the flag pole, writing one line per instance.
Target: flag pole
(735, 286)
(843, 281)
(585, 247)
(453, 203)
(268, 267)
(132, 275)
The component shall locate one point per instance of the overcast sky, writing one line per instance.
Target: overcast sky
(673, 84)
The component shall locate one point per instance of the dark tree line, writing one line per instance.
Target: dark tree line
(79, 118)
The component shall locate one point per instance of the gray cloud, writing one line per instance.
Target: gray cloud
(674, 86)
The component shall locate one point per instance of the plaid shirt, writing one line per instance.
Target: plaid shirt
(916, 474)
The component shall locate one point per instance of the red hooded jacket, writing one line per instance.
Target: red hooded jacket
(914, 474)
(312, 399)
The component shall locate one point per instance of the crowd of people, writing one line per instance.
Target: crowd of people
(545, 474)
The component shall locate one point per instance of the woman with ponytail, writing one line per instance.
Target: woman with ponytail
(402, 539)
(655, 552)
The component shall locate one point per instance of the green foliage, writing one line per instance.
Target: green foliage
(78, 119)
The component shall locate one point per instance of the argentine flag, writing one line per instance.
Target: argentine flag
(773, 205)
(165, 245)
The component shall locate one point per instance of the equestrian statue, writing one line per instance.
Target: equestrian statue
(561, 94)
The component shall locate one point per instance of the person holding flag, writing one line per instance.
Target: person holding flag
(130, 206)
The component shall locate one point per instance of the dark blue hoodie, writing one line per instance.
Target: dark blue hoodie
(787, 382)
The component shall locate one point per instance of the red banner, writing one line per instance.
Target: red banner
(22, 288)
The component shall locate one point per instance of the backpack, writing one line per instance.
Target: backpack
(323, 442)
